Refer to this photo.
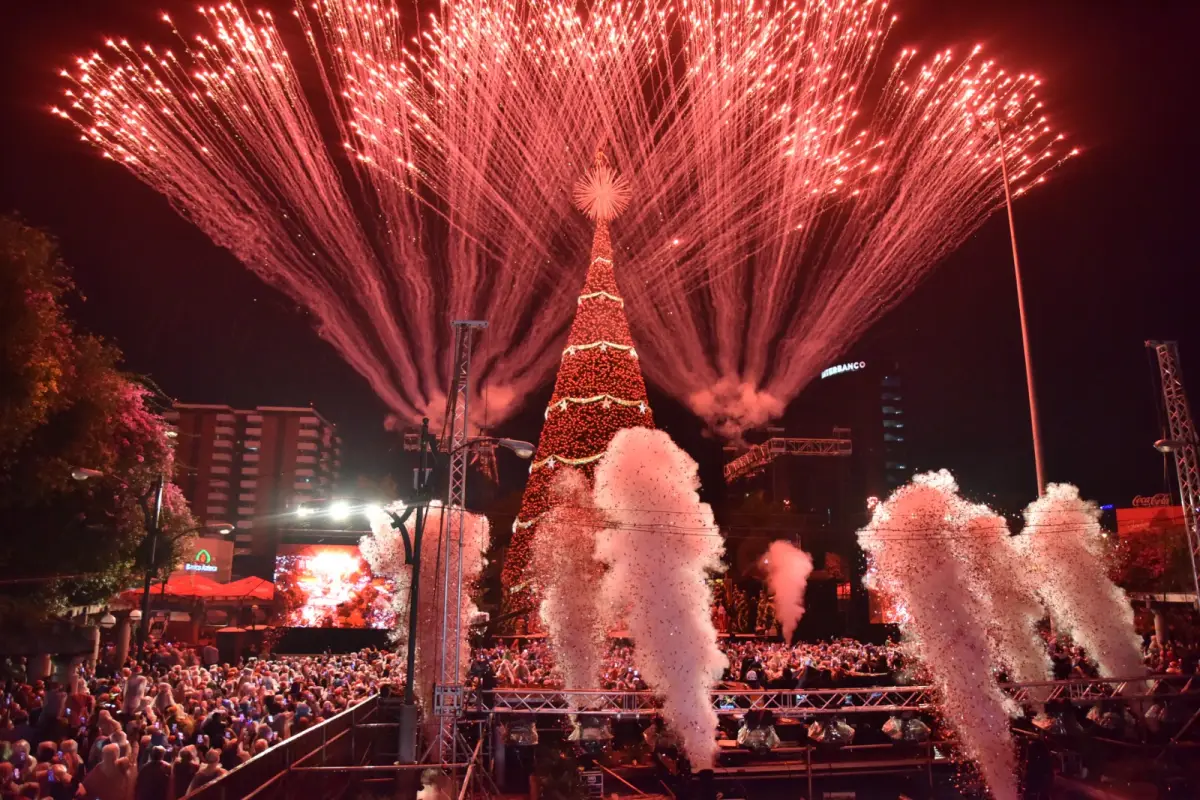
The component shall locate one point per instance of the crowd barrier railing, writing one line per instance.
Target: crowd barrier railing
(338, 741)
(817, 702)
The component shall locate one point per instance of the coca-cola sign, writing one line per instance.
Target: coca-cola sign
(1160, 499)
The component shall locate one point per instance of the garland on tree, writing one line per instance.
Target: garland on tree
(599, 389)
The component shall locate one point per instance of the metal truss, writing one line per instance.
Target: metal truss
(1183, 443)
(759, 455)
(454, 438)
(816, 702)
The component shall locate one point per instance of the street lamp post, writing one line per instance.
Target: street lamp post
(412, 556)
(1034, 422)
(153, 535)
(153, 532)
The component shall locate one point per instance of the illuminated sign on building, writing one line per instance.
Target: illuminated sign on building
(850, 366)
(202, 563)
(1160, 499)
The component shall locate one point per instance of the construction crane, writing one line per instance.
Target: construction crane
(1181, 440)
(760, 455)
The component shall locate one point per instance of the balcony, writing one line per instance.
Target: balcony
(308, 447)
(303, 473)
(226, 418)
(250, 458)
(249, 484)
(219, 470)
(218, 496)
(253, 433)
(223, 443)
(251, 471)
(306, 459)
(308, 433)
(309, 421)
(246, 511)
(215, 510)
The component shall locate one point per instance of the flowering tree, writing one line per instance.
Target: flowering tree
(65, 405)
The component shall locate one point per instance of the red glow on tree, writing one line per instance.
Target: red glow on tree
(599, 389)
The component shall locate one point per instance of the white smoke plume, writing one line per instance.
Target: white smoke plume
(908, 540)
(384, 551)
(1066, 553)
(788, 568)
(731, 407)
(570, 576)
(660, 544)
(994, 569)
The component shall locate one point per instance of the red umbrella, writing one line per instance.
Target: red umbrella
(178, 586)
(251, 588)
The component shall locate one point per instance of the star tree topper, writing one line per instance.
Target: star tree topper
(601, 193)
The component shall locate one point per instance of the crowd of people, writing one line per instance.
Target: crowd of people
(758, 663)
(158, 730)
(755, 663)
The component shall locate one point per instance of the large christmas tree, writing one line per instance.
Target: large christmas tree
(599, 389)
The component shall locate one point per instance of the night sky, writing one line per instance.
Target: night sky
(1104, 247)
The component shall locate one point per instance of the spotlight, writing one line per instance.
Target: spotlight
(757, 732)
(303, 511)
(339, 510)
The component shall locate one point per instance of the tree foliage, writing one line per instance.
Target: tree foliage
(64, 404)
(1153, 560)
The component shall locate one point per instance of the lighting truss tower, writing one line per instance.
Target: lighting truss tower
(1183, 442)
(759, 455)
(455, 439)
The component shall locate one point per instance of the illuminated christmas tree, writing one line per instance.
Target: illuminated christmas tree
(599, 389)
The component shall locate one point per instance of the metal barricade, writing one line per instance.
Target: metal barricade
(337, 742)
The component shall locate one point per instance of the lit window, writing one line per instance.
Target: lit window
(892, 423)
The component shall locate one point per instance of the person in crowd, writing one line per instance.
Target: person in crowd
(154, 779)
(184, 771)
(113, 778)
(211, 770)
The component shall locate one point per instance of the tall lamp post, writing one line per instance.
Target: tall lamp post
(154, 533)
(1034, 423)
(412, 556)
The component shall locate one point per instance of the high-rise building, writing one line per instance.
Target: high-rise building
(252, 469)
(822, 500)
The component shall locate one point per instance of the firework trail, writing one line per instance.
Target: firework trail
(784, 174)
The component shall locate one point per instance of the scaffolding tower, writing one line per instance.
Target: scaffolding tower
(1180, 440)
